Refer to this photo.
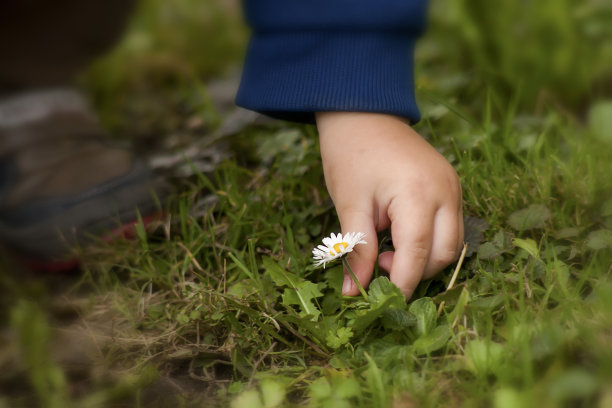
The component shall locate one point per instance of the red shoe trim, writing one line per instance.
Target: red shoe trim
(128, 230)
(125, 231)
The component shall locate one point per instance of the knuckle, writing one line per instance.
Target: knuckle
(453, 185)
(447, 257)
(418, 250)
(363, 254)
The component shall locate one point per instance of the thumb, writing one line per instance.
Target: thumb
(363, 257)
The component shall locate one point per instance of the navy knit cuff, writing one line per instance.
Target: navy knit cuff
(291, 75)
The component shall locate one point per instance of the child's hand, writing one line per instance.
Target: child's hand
(380, 173)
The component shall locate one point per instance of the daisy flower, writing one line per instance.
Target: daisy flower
(336, 246)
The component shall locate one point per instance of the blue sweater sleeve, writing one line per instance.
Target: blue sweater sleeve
(307, 56)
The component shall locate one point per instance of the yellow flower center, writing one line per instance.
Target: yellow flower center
(338, 248)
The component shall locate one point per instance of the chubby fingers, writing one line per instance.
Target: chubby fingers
(412, 238)
(363, 257)
(424, 245)
(447, 241)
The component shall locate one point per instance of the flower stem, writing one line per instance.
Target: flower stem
(361, 289)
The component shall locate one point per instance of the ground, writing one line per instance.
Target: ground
(218, 304)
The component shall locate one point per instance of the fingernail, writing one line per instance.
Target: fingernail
(346, 286)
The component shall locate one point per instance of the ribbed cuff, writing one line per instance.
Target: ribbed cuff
(294, 74)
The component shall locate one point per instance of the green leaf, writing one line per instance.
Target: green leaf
(347, 387)
(339, 338)
(488, 302)
(361, 319)
(501, 243)
(334, 277)
(451, 296)
(333, 299)
(320, 389)
(533, 217)
(337, 394)
(298, 292)
(457, 312)
(247, 399)
(303, 296)
(424, 310)
(547, 341)
(528, 245)
(483, 356)
(489, 251)
(473, 236)
(182, 318)
(383, 296)
(397, 319)
(381, 289)
(273, 393)
(599, 239)
(279, 275)
(240, 289)
(331, 303)
(503, 240)
(432, 341)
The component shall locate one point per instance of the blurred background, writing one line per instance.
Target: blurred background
(170, 81)
(534, 54)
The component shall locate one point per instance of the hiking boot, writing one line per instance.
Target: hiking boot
(62, 184)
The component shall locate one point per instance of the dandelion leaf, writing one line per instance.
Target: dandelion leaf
(303, 296)
(298, 291)
(280, 276)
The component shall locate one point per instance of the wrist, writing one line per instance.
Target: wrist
(362, 128)
(329, 117)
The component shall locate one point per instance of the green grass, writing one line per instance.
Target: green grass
(224, 308)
